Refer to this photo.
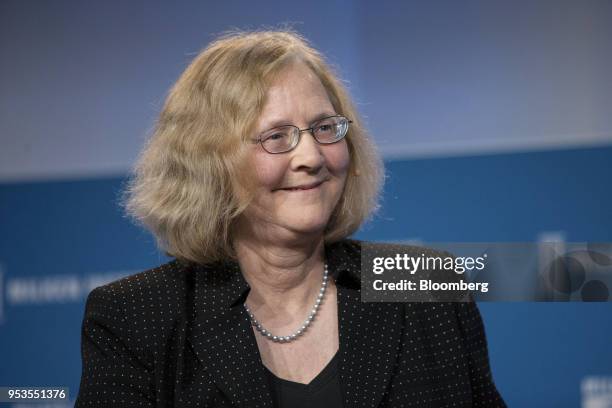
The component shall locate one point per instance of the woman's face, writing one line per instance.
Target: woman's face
(296, 97)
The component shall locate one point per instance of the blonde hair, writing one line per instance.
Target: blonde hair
(184, 187)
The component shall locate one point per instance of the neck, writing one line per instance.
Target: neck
(284, 278)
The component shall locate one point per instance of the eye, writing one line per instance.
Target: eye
(275, 136)
(326, 126)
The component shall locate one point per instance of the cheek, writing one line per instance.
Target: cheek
(269, 173)
(338, 158)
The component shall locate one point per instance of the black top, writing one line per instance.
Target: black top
(178, 336)
(322, 392)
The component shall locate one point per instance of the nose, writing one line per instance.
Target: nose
(308, 153)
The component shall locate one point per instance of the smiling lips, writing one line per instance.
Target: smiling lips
(304, 187)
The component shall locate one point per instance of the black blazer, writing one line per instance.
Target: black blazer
(178, 336)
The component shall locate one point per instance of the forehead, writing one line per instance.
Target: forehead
(295, 95)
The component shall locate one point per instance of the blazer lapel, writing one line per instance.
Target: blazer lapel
(223, 339)
(224, 342)
(370, 333)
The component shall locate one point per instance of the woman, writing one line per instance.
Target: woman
(258, 171)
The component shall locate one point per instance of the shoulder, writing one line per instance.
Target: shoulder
(358, 250)
(464, 310)
(143, 303)
(162, 284)
(399, 248)
(356, 245)
(139, 312)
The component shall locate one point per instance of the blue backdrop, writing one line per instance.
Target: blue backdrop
(493, 118)
(73, 230)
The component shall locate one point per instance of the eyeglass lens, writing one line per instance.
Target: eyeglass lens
(284, 138)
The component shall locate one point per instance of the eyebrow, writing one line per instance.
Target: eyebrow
(281, 122)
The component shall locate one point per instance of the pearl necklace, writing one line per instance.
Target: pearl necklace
(301, 330)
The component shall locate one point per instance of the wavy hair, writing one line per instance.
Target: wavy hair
(184, 185)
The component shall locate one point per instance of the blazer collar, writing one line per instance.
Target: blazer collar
(227, 278)
(223, 339)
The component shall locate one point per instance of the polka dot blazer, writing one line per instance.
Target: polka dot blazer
(178, 336)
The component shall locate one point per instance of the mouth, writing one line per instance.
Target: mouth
(305, 187)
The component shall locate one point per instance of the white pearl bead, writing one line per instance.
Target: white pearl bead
(284, 339)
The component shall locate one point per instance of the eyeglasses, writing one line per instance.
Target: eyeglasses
(283, 139)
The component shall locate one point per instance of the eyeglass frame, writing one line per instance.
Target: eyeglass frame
(300, 131)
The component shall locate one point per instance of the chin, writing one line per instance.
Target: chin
(308, 226)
